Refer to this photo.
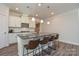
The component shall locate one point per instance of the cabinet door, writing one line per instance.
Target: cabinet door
(3, 31)
(24, 19)
(14, 21)
(31, 23)
(12, 38)
(18, 22)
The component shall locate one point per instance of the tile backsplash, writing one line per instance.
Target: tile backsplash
(21, 29)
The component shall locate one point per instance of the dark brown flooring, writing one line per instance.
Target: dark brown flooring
(63, 50)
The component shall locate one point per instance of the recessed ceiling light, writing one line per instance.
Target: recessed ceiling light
(39, 4)
(33, 19)
(17, 8)
(52, 13)
(42, 21)
(48, 22)
(36, 15)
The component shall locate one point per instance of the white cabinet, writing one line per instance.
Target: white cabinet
(24, 19)
(12, 38)
(4, 11)
(18, 22)
(3, 31)
(31, 23)
(14, 21)
(11, 21)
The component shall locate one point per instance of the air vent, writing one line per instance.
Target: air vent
(48, 6)
(28, 7)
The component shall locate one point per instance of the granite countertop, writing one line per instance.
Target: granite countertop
(22, 32)
(29, 36)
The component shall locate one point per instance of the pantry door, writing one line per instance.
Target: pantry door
(3, 31)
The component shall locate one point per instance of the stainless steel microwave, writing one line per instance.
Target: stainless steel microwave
(25, 25)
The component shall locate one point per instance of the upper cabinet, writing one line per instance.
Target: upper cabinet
(31, 23)
(24, 19)
(14, 21)
(4, 13)
(4, 10)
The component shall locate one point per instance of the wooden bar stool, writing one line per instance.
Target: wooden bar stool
(32, 45)
(43, 43)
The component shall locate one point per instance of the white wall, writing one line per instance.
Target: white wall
(66, 24)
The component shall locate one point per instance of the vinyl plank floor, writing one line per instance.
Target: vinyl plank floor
(63, 50)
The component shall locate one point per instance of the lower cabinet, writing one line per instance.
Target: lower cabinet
(12, 38)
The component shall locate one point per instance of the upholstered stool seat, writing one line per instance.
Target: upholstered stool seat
(43, 44)
(33, 44)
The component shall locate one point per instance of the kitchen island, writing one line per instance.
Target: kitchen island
(24, 39)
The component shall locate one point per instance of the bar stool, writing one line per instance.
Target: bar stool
(51, 39)
(56, 39)
(43, 43)
(32, 45)
(57, 36)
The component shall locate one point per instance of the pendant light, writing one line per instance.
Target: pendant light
(42, 21)
(33, 19)
(48, 22)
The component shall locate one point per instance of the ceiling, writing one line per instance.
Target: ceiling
(43, 11)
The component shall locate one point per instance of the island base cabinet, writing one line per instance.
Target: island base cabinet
(23, 51)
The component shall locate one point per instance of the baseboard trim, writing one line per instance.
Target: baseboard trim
(69, 42)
